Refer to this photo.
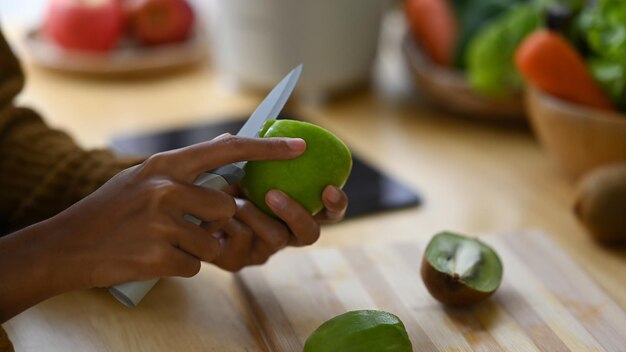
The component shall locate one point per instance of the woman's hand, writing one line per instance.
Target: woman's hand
(251, 236)
(132, 228)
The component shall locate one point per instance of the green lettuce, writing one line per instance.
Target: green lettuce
(603, 26)
(490, 66)
(472, 16)
(611, 75)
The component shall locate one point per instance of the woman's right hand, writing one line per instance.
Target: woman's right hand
(132, 228)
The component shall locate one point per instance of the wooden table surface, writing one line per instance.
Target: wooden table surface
(475, 178)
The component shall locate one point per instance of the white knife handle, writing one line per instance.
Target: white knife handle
(131, 293)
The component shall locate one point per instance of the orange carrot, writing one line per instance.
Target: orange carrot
(433, 25)
(550, 63)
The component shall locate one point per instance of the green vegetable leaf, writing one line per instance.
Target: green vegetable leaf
(490, 66)
(603, 26)
(473, 15)
(612, 77)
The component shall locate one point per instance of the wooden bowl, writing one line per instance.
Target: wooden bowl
(578, 137)
(449, 90)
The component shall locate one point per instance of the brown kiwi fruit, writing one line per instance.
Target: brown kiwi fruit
(459, 270)
(601, 203)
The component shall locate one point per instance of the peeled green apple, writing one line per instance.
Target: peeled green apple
(326, 161)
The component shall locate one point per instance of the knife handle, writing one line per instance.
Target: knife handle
(131, 293)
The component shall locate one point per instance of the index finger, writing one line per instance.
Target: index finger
(228, 149)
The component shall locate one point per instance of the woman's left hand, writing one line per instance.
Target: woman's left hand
(251, 236)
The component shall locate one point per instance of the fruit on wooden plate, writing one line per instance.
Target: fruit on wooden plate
(154, 22)
(459, 270)
(87, 25)
(601, 203)
(326, 161)
(362, 331)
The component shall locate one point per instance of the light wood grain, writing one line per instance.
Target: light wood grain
(475, 178)
(205, 313)
(299, 292)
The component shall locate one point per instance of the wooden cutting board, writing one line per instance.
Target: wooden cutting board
(545, 303)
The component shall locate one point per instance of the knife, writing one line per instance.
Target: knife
(131, 293)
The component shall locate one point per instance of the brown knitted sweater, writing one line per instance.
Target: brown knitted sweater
(42, 171)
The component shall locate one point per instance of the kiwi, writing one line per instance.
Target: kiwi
(601, 203)
(459, 270)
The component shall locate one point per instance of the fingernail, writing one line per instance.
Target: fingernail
(218, 235)
(223, 135)
(333, 194)
(276, 200)
(221, 240)
(296, 144)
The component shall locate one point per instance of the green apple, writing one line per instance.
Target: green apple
(360, 331)
(326, 161)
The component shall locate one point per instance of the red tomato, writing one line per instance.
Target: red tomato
(161, 21)
(95, 25)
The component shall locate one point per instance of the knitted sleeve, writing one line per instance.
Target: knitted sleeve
(42, 170)
(5, 344)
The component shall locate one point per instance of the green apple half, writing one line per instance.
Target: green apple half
(326, 161)
(360, 331)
